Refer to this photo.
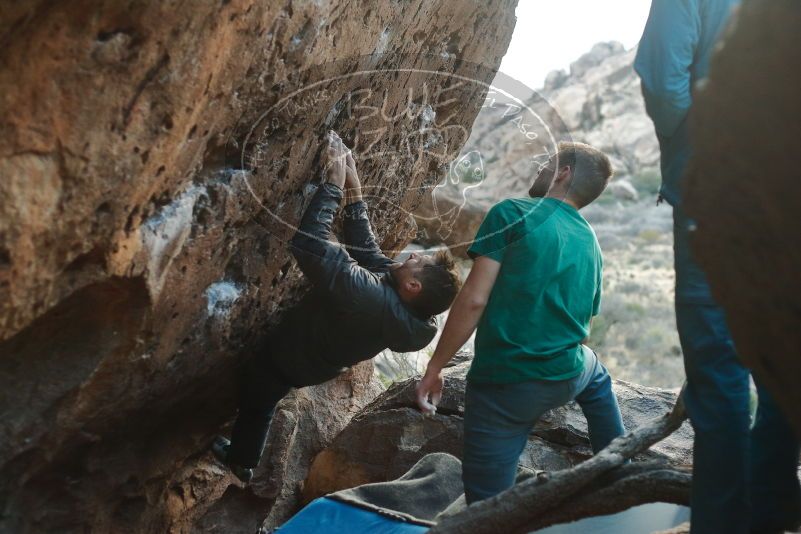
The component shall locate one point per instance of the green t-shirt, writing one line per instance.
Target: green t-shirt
(547, 290)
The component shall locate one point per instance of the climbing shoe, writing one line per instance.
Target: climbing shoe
(220, 448)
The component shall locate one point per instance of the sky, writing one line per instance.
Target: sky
(550, 35)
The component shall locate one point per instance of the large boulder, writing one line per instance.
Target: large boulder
(743, 190)
(391, 434)
(155, 157)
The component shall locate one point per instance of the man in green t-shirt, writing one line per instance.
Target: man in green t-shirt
(532, 292)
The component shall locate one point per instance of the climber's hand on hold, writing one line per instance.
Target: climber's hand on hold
(335, 160)
(429, 391)
(353, 187)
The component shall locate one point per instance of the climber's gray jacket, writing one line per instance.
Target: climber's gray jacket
(353, 311)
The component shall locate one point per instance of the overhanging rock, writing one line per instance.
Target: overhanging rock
(150, 182)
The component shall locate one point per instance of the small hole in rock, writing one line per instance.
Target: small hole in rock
(108, 35)
(130, 222)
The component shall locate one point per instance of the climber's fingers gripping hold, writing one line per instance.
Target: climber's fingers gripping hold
(335, 160)
(351, 176)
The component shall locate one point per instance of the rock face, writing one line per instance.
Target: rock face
(743, 189)
(390, 435)
(598, 102)
(154, 159)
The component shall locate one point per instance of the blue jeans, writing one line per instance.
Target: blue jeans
(718, 399)
(775, 491)
(499, 417)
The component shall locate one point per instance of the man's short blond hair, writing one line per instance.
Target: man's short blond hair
(591, 170)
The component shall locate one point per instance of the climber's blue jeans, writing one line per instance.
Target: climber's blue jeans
(725, 454)
(499, 417)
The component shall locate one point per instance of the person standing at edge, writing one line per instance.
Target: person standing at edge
(532, 291)
(361, 303)
(741, 482)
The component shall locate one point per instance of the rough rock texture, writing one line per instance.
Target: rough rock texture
(390, 435)
(743, 190)
(598, 102)
(146, 198)
(304, 423)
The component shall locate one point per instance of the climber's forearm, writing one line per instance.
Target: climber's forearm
(318, 257)
(352, 194)
(359, 238)
(315, 225)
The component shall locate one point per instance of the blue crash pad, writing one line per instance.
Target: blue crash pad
(329, 516)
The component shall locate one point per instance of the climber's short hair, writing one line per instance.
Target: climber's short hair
(591, 170)
(441, 282)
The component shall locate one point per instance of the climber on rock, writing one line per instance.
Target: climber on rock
(361, 303)
(531, 294)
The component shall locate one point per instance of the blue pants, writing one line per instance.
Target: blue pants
(499, 417)
(717, 400)
(775, 491)
(261, 388)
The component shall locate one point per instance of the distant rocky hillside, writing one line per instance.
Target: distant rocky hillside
(601, 103)
(597, 102)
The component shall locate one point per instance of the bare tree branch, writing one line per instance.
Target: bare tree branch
(631, 487)
(519, 506)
